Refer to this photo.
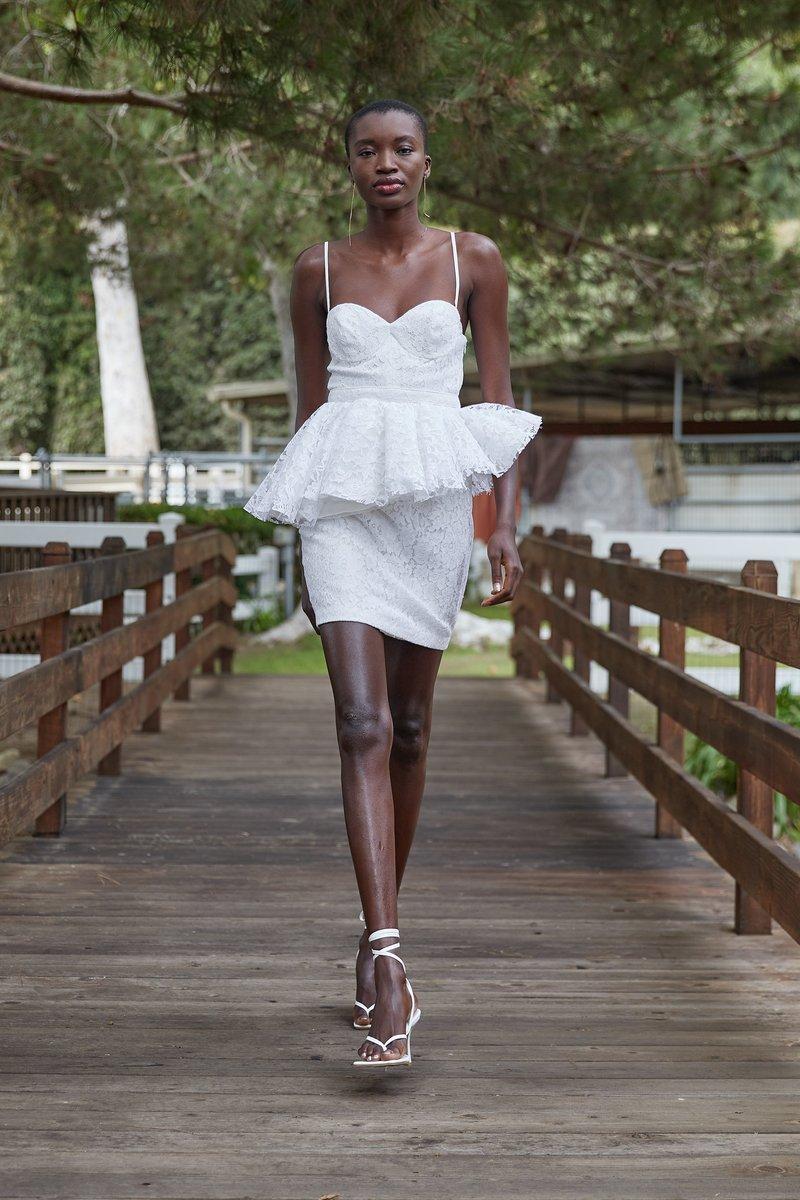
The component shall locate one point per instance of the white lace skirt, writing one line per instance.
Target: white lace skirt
(402, 568)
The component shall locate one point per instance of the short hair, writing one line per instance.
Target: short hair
(383, 106)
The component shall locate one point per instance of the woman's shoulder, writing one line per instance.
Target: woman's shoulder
(477, 246)
(479, 259)
(309, 261)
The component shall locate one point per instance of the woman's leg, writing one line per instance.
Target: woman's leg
(354, 654)
(411, 672)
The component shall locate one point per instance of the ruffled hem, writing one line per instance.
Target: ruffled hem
(364, 453)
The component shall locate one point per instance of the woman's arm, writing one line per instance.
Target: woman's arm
(487, 308)
(307, 309)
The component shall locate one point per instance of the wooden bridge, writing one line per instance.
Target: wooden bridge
(178, 961)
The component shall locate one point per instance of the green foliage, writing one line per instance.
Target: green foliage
(188, 347)
(261, 620)
(720, 773)
(248, 532)
(637, 164)
(49, 386)
(711, 768)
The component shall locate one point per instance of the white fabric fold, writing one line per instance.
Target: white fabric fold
(365, 452)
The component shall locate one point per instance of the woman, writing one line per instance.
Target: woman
(379, 478)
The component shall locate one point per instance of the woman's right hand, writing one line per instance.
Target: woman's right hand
(307, 607)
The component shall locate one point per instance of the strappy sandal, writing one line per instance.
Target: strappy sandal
(413, 1017)
(360, 1003)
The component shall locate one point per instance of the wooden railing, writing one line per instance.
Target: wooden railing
(764, 626)
(34, 505)
(47, 504)
(202, 565)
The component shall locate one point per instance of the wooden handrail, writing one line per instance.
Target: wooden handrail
(41, 693)
(25, 697)
(41, 592)
(756, 740)
(768, 625)
(766, 750)
(26, 795)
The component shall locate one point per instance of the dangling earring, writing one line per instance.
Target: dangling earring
(425, 212)
(350, 222)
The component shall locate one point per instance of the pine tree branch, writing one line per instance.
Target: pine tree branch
(192, 156)
(574, 236)
(14, 150)
(69, 95)
(730, 160)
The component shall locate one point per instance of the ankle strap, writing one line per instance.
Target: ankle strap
(387, 951)
(382, 933)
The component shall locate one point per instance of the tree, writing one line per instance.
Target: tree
(129, 421)
(631, 161)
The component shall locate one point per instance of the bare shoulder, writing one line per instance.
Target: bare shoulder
(308, 274)
(309, 263)
(477, 248)
(480, 257)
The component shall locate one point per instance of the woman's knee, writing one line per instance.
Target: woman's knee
(411, 733)
(363, 729)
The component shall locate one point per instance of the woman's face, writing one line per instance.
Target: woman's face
(387, 159)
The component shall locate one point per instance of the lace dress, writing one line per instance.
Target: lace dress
(379, 479)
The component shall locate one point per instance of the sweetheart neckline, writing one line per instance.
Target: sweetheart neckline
(422, 303)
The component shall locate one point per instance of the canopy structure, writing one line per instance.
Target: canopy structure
(644, 390)
(650, 390)
(247, 399)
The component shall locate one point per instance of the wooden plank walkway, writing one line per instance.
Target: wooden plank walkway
(177, 978)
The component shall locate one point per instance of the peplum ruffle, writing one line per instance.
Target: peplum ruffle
(364, 452)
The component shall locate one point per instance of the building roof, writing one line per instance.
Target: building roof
(626, 391)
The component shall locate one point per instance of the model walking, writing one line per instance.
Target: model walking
(379, 478)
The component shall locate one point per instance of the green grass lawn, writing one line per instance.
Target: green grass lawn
(306, 658)
(695, 658)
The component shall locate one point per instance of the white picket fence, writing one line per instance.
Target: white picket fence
(179, 477)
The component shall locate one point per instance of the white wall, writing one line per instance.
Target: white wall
(603, 480)
(603, 483)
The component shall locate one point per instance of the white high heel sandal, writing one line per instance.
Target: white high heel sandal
(360, 1003)
(413, 1017)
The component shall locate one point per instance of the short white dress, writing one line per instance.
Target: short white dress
(379, 479)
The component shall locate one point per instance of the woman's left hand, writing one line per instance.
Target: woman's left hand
(504, 557)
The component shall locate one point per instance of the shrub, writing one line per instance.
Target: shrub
(720, 773)
(248, 532)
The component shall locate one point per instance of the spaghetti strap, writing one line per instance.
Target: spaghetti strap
(455, 265)
(327, 280)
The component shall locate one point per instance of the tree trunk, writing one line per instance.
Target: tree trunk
(129, 420)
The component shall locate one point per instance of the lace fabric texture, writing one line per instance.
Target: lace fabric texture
(393, 427)
(402, 568)
(379, 479)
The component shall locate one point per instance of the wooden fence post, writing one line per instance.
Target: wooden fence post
(755, 798)
(183, 584)
(226, 616)
(525, 663)
(672, 648)
(536, 576)
(619, 622)
(153, 600)
(208, 571)
(52, 726)
(557, 582)
(111, 684)
(582, 603)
